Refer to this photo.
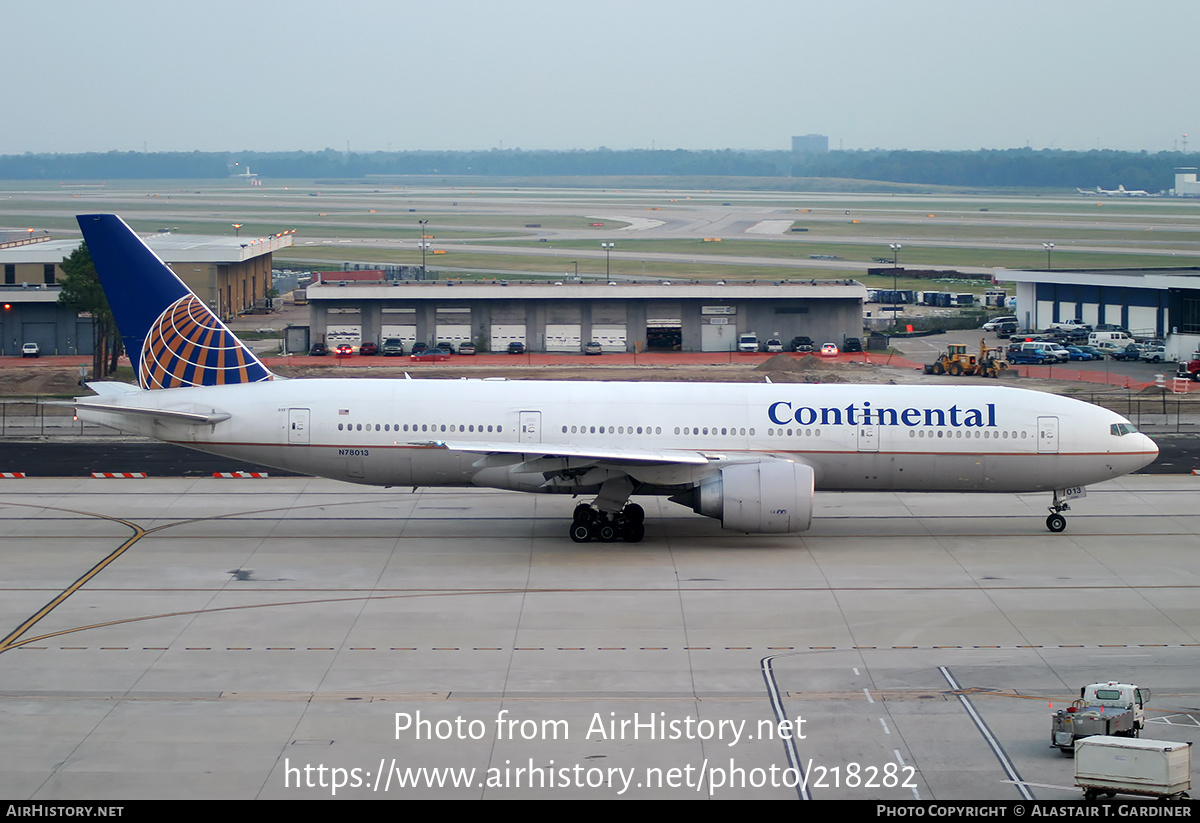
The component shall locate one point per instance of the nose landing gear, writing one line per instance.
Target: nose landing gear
(1056, 522)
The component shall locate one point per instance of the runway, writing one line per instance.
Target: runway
(299, 638)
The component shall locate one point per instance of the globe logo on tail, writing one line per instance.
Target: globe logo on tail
(188, 346)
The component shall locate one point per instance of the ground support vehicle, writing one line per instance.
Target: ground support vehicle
(955, 361)
(1157, 768)
(31, 350)
(1108, 709)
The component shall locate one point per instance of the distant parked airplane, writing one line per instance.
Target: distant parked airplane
(1119, 191)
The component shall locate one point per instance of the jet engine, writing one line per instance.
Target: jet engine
(773, 496)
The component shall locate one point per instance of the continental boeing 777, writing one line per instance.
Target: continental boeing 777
(749, 455)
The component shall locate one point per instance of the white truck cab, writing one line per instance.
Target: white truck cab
(748, 342)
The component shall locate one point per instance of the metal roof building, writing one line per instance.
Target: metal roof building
(564, 316)
(1162, 303)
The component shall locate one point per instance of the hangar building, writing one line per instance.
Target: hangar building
(1151, 303)
(231, 274)
(563, 317)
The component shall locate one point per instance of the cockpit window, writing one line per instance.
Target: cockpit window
(1118, 429)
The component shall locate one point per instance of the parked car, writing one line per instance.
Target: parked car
(829, 350)
(420, 347)
(802, 343)
(748, 343)
(1033, 356)
(1005, 330)
(1154, 354)
(995, 322)
(852, 344)
(1079, 354)
(774, 345)
(1057, 350)
(466, 348)
(392, 347)
(516, 347)
(369, 348)
(318, 350)
(1130, 352)
(31, 350)
(446, 346)
(593, 348)
(344, 349)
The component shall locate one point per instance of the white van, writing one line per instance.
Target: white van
(1119, 338)
(748, 342)
(996, 322)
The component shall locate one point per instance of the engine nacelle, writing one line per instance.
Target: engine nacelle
(770, 497)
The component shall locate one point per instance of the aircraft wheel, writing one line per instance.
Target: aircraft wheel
(584, 514)
(1056, 522)
(634, 532)
(607, 532)
(634, 513)
(581, 532)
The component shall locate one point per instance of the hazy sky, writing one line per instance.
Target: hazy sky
(213, 75)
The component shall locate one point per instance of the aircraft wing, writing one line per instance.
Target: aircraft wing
(599, 455)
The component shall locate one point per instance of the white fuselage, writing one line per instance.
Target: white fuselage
(516, 434)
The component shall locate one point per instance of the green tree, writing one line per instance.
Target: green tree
(82, 292)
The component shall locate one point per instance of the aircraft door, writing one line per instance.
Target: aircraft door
(298, 426)
(531, 427)
(868, 438)
(1047, 435)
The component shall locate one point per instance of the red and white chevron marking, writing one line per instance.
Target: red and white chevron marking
(12, 474)
(118, 474)
(240, 474)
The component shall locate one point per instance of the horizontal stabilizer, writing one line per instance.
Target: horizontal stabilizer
(195, 418)
(110, 388)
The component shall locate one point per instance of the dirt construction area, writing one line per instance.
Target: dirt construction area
(60, 376)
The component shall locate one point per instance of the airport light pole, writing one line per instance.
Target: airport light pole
(608, 247)
(424, 246)
(575, 263)
(1047, 247)
(895, 247)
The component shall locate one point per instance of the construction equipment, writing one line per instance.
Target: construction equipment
(955, 361)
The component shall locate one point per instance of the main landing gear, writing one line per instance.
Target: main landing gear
(1056, 522)
(589, 523)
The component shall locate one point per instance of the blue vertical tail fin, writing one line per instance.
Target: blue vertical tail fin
(172, 338)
